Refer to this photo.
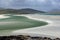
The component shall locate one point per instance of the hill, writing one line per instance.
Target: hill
(20, 11)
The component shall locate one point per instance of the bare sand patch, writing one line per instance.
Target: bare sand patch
(3, 16)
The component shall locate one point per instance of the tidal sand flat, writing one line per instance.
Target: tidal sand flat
(52, 29)
(12, 23)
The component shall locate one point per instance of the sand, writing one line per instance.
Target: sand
(8, 22)
(52, 29)
(3, 16)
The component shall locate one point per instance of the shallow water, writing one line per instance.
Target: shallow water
(9, 23)
(52, 30)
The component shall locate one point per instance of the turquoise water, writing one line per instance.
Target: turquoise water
(7, 25)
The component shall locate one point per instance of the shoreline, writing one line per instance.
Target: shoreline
(36, 31)
(23, 32)
(48, 21)
(3, 16)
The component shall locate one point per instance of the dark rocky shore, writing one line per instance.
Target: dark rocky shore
(25, 37)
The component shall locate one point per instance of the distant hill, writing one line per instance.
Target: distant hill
(20, 11)
(27, 10)
(54, 12)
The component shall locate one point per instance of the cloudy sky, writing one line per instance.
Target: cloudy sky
(35, 4)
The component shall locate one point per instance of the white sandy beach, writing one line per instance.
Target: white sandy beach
(2, 16)
(50, 30)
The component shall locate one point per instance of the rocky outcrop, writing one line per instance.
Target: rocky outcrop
(25, 37)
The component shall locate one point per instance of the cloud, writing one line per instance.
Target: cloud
(55, 3)
(35, 4)
(5, 2)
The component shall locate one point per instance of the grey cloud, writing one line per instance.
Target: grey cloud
(35, 4)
